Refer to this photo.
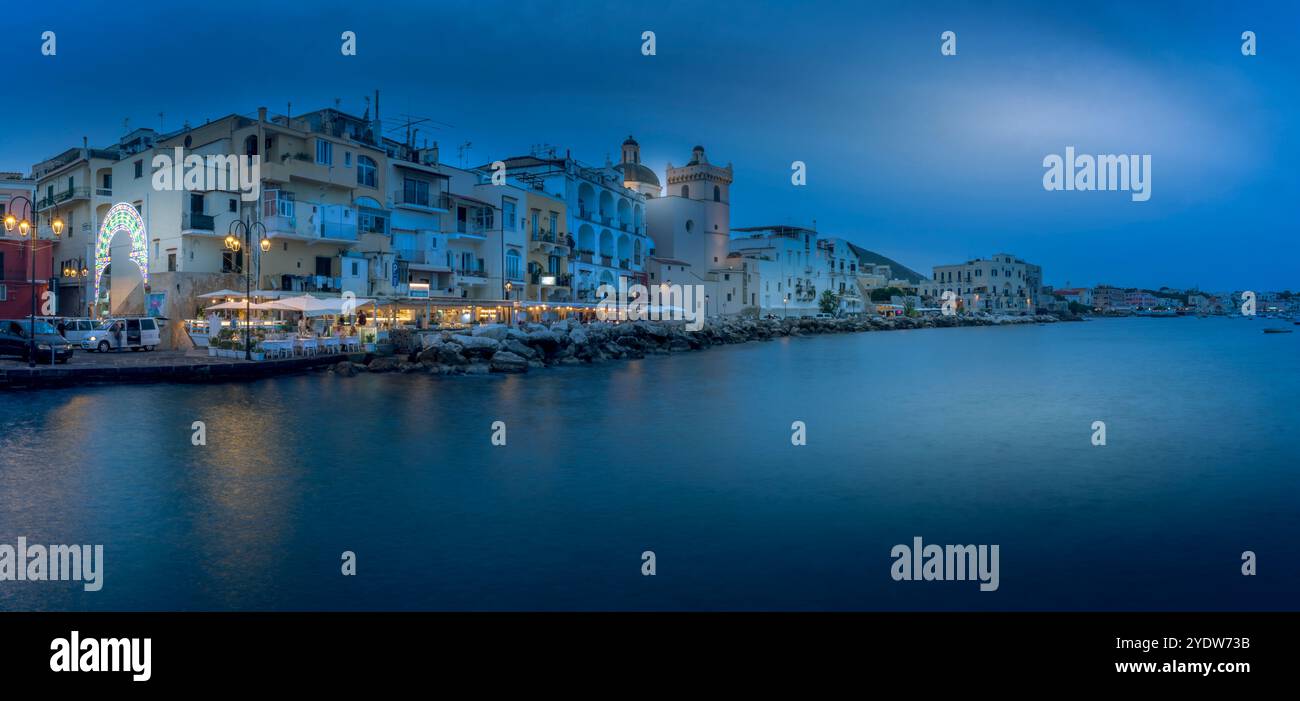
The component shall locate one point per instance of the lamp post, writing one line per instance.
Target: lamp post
(25, 227)
(241, 229)
(509, 287)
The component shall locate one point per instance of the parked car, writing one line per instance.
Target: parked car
(16, 338)
(125, 333)
(823, 315)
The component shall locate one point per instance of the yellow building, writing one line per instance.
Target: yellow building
(549, 245)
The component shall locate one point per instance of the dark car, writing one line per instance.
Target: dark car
(16, 339)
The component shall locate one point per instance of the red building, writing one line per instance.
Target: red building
(16, 287)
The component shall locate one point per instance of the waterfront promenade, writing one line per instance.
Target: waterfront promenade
(157, 366)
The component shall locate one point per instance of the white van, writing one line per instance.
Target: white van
(126, 333)
(78, 330)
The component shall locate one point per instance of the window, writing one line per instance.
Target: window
(514, 270)
(323, 266)
(690, 226)
(250, 146)
(508, 213)
(555, 223)
(232, 261)
(415, 191)
(196, 203)
(553, 265)
(717, 197)
(374, 222)
(355, 271)
(347, 159)
(366, 171)
(171, 261)
(233, 205)
(139, 169)
(324, 152)
(533, 218)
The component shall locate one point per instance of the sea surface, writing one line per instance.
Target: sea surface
(958, 436)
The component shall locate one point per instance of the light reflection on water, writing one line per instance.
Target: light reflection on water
(956, 435)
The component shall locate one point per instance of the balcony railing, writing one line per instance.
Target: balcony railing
(432, 200)
(76, 193)
(103, 192)
(471, 272)
(198, 222)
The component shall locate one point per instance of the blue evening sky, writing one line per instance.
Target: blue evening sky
(924, 158)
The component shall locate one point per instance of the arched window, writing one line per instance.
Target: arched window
(686, 191)
(250, 146)
(690, 226)
(366, 171)
(717, 194)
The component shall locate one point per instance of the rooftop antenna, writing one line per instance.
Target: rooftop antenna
(160, 121)
(463, 151)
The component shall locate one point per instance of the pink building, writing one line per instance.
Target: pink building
(16, 287)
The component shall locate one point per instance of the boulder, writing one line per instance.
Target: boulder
(519, 349)
(344, 368)
(496, 332)
(449, 354)
(386, 364)
(505, 361)
(477, 346)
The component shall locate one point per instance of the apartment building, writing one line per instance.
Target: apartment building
(1002, 284)
(605, 218)
(784, 268)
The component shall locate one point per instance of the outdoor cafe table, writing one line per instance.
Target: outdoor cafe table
(276, 348)
(330, 344)
(306, 345)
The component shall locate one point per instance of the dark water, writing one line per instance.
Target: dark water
(976, 435)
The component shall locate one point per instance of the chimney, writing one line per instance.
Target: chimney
(85, 142)
(261, 114)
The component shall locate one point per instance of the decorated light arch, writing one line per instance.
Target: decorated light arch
(122, 217)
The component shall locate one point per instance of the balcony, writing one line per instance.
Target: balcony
(471, 277)
(427, 202)
(198, 222)
(103, 192)
(311, 229)
(76, 193)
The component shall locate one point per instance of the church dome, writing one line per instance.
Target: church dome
(637, 173)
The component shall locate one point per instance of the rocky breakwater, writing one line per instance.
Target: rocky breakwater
(496, 348)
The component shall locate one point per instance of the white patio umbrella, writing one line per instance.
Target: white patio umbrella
(221, 293)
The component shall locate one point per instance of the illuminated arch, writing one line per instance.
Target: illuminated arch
(122, 217)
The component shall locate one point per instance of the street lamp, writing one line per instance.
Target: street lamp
(241, 229)
(24, 227)
(511, 319)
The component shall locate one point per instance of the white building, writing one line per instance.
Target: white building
(1002, 284)
(605, 217)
